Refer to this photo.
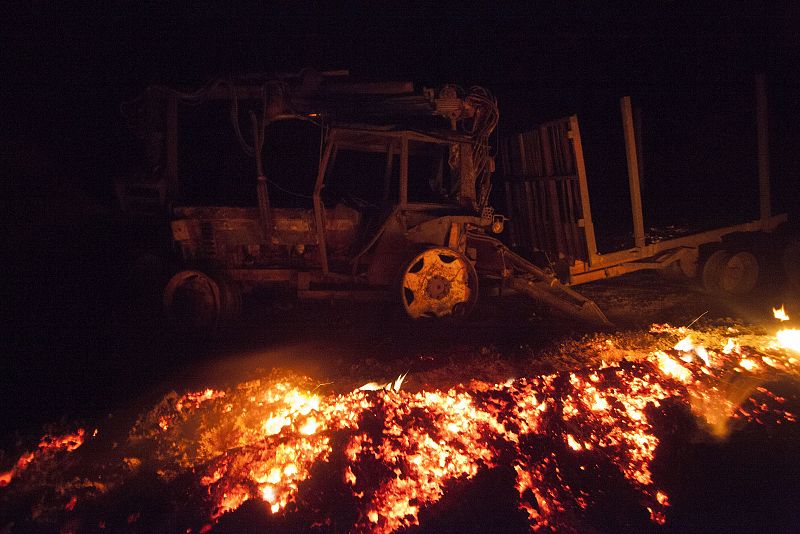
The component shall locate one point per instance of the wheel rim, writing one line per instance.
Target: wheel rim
(739, 274)
(192, 301)
(438, 282)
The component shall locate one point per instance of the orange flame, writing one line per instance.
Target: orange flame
(780, 313)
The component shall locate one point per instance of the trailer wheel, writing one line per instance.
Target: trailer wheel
(199, 304)
(438, 282)
(730, 273)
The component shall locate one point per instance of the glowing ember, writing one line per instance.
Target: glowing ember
(730, 346)
(423, 441)
(388, 386)
(748, 364)
(48, 445)
(392, 455)
(672, 368)
(691, 351)
(574, 445)
(194, 400)
(685, 344)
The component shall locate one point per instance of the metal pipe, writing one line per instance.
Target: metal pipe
(261, 185)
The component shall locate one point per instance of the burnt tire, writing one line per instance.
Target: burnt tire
(199, 304)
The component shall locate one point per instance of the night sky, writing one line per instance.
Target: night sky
(689, 68)
(67, 67)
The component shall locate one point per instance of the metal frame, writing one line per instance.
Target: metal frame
(545, 201)
(632, 155)
(583, 185)
(336, 139)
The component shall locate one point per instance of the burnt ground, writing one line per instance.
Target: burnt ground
(104, 370)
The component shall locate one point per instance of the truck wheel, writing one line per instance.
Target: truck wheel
(199, 304)
(438, 282)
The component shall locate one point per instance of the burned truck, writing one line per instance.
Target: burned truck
(396, 206)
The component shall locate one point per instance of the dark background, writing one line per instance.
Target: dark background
(67, 69)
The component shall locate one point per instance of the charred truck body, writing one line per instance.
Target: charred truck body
(394, 204)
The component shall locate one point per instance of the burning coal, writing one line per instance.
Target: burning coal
(380, 459)
(49, 446)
